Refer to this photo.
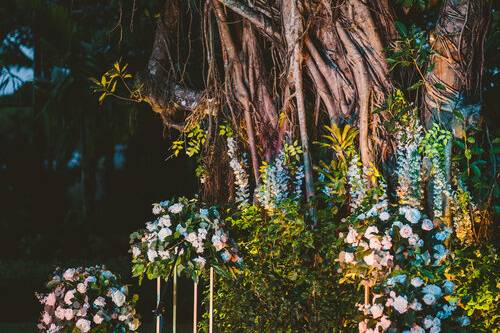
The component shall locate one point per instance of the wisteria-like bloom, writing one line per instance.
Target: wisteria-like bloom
(240, 174)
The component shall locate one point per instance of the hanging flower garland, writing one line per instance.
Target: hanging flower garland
(87, 299)
(185, 236)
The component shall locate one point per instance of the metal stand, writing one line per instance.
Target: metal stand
(195, 306)
(211, 314)
(158, 297)
(174, 301)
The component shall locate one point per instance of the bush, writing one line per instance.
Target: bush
(289, 281)
(474, 271)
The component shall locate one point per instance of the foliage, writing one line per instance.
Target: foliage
(474, 270)
(289, 282)
(183, 235)
(88, 299)
(332, 179)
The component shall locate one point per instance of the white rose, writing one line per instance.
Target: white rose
(82, 288)
(428, 321)
(375, 243)
(46, 318)
(164, 221)
(83, 325)
(351, 236)
(405, 231)
(427, 225)
(370, 259)
(100, 302)
(417, 282)
(157, 209)
(152, 255)
(68, 298)
(386, 242)
(400, 304)
(429, 299)
(118, 297)
(175, 208)
(98, 319)
(370, 231)
(59, 313)
(412, 215)
(384, 216)
(164, 233)
(191, 237)
(69, 274)
(68, 314)
(376, 310)
(349, 257)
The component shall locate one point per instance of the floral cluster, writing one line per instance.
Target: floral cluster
(239, 170)
(434, 146)
(398, 251)
(409, 162)
(281, 179)
(84, 299)
(184, 235)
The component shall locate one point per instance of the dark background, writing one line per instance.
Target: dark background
(76, 177)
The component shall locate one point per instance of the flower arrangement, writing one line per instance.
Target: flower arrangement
(184, 235)
(87, 300)
(397, 250)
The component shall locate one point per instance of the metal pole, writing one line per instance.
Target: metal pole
(195, 306)
(174, 300)
(158, 296)
(211, 313)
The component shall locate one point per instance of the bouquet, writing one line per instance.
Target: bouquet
(87, 300)
(184, 235)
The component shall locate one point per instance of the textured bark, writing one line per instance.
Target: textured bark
(454, 83)
(257, 57)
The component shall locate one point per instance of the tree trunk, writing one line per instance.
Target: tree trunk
(262, 48)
